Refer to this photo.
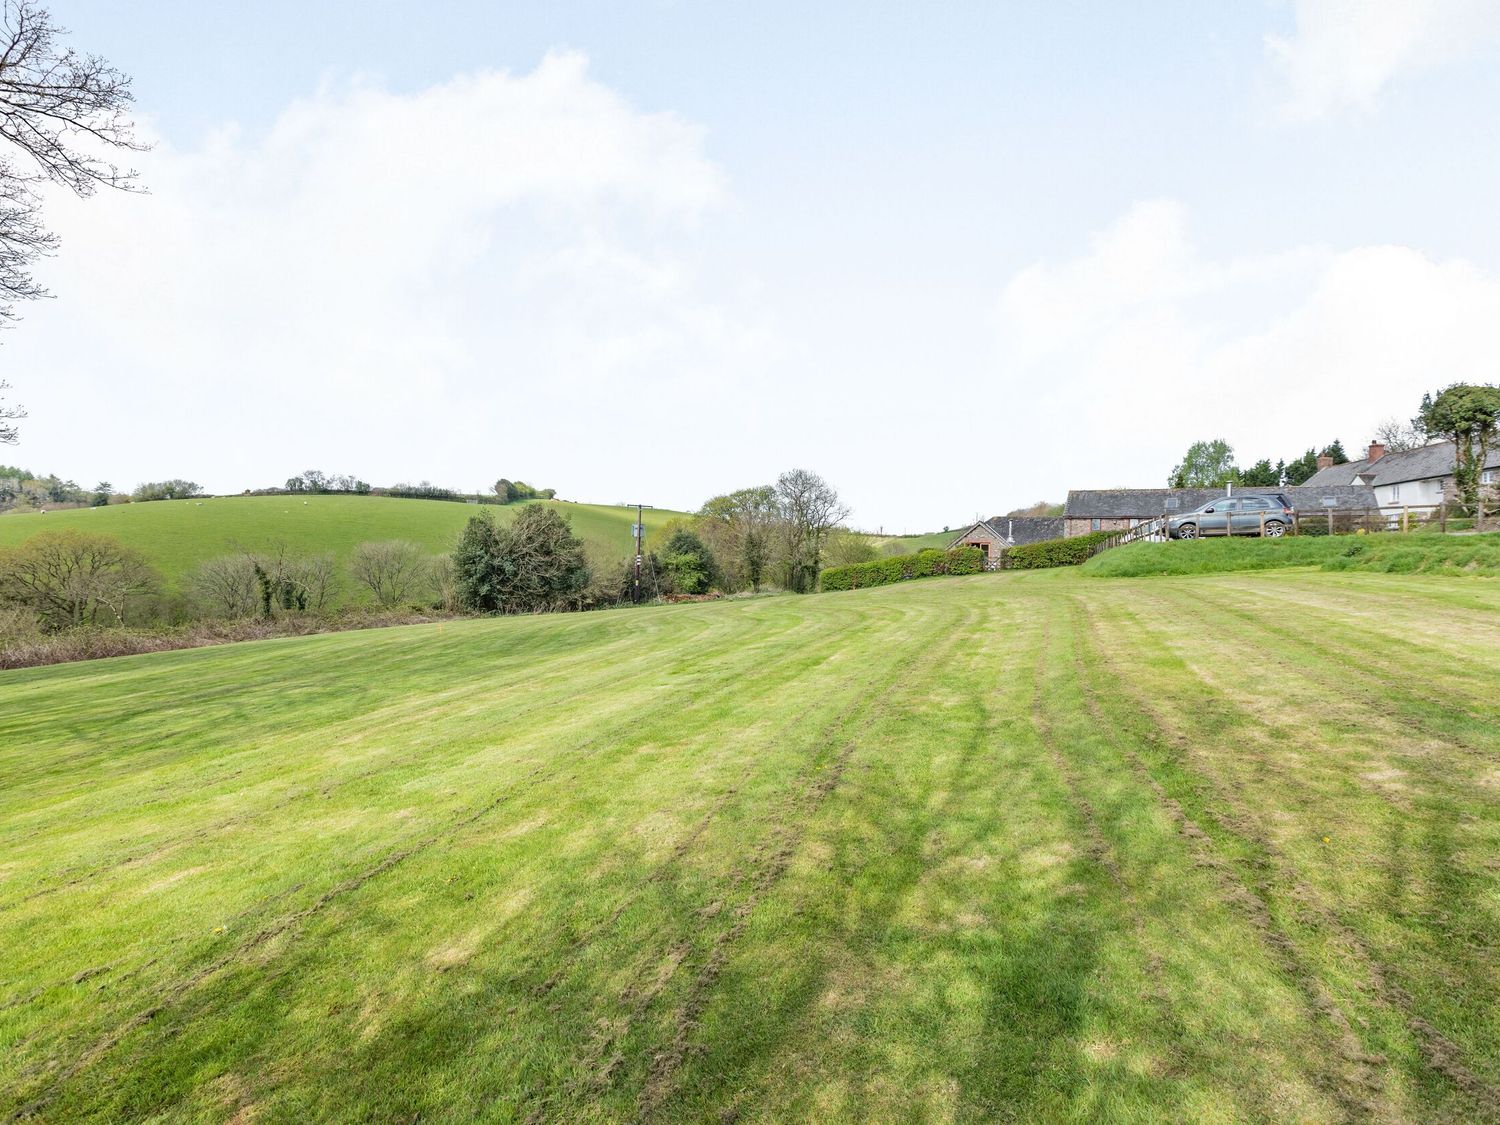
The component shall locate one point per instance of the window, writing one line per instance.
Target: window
(1395, 492)
(1094, 524)
(1487, 477)
(1173, 503)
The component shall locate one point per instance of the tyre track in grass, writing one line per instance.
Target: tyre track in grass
(1441, 1055)
(207, 831)
(1376, 692)
(365, 722)
(1358, 1081)
(774, 858)
(601, 1057)
(1418, 765)
(177, 991)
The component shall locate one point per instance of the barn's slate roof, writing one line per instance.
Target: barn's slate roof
(1019, 530)
(1145, 503)
(1435, 460)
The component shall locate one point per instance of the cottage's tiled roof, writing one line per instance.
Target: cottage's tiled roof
(1146, 503)
(1424, 463)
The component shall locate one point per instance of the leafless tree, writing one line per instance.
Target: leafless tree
(810, 508)
(394, 571)
(226, 586)
(62, 115)
(9, 415)
(1398, 436)
(68, 578)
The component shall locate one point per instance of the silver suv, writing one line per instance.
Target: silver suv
(1235, 515)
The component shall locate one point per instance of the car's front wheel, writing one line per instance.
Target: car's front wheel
(1188, 531)
(1275, 529)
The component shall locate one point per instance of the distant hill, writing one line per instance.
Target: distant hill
(178, 535)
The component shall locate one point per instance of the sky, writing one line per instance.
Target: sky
(956, 258)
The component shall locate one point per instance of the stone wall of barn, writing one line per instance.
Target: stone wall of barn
(1075, 525)
(987, 541)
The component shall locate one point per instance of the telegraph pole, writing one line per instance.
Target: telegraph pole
(640, 536)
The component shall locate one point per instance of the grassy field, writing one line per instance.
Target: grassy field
(911, 544)
(1018, 846)
(178, 535)
(1386, 554)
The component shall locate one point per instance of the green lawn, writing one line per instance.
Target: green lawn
(178, 535)
(1019, 846)
(1424, 553)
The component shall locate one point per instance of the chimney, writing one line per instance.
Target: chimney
(1377, 451)
(1325, 461)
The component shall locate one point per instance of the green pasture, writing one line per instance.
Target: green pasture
(1022, 846)
(178, 535)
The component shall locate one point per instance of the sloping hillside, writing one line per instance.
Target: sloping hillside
(177, 535)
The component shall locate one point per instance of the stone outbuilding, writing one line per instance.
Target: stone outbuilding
(994, 535)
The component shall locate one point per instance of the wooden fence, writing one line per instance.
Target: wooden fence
(1335, 521)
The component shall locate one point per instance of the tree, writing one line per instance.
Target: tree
(102, 492)
(688, 564)
(477, 580)
(809, 508)
(1206, 464)
(9, 433)
(738, 529)
(393, 571)
(535, 564)
(1336, 452)
(1298, 471)
(226, 587)
(166, 490)
(51, 99)
(1262, 474)
(68, 578)
(1468, 415)
(1398, 436)
(846, 548)
(1040, 508)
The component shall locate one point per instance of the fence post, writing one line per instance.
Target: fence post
(1330, 521)
(1443, 515)
(1405, 518)
(1296, 521)
(1263, 523)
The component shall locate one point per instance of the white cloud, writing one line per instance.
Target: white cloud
(384, 283)
(1146, 343)
(1343, 53)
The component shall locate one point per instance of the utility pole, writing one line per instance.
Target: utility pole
(640, 536)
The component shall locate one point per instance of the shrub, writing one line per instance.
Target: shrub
(534, 564)
(1055, 552)
(687, 564)
(394, 571)
(900, 568)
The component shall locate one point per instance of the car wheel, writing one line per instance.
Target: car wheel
(1188, 531)
(1275, 529)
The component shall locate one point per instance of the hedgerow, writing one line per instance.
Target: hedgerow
(1055, 552)
(900, 568)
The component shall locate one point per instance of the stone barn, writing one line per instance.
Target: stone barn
(994, 535)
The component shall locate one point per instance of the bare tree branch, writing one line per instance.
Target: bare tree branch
(62, 115)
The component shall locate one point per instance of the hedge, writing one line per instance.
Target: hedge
(1055, 552)
(899, 568)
